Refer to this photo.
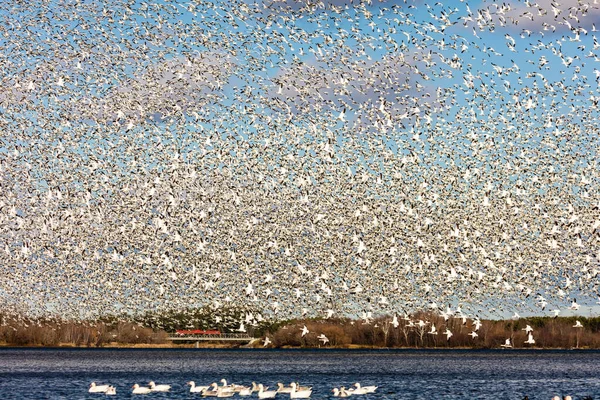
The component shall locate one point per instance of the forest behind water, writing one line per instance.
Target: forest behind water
(383, 331)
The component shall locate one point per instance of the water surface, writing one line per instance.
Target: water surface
(400, 374)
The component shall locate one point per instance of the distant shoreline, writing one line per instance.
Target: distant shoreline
(382, 332)
(216, 346)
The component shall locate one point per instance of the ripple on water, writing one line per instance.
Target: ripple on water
(403, 374)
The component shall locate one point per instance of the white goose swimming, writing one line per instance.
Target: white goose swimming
(367, 389)
(283, 389)
(299, 394)
(232, 387)
(158, 388)
(265, 394)
(246, 391)
(98, 388)
(196, 389)
(358, 390)
(211, 391)
(137, 389)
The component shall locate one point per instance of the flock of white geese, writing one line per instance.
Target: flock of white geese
(294, 390)
(320, 158)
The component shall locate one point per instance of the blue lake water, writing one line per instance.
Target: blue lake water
(400, 374)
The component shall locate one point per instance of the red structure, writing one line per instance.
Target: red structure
(197, 332)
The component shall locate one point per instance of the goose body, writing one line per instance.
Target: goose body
(358, 390)
(303, 393)
(246, 391)
(283, 389)
(137, 389)
(300, 388)
(211, 391)
(232, 387)
(355, 392)
(367, 389)
(158, 388)
(224, 393)
(265, 394)
(530, 339)
(97, 388)
(196, 389)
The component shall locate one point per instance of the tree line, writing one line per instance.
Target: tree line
(383, 331)
(52, 332)
(547, 332)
